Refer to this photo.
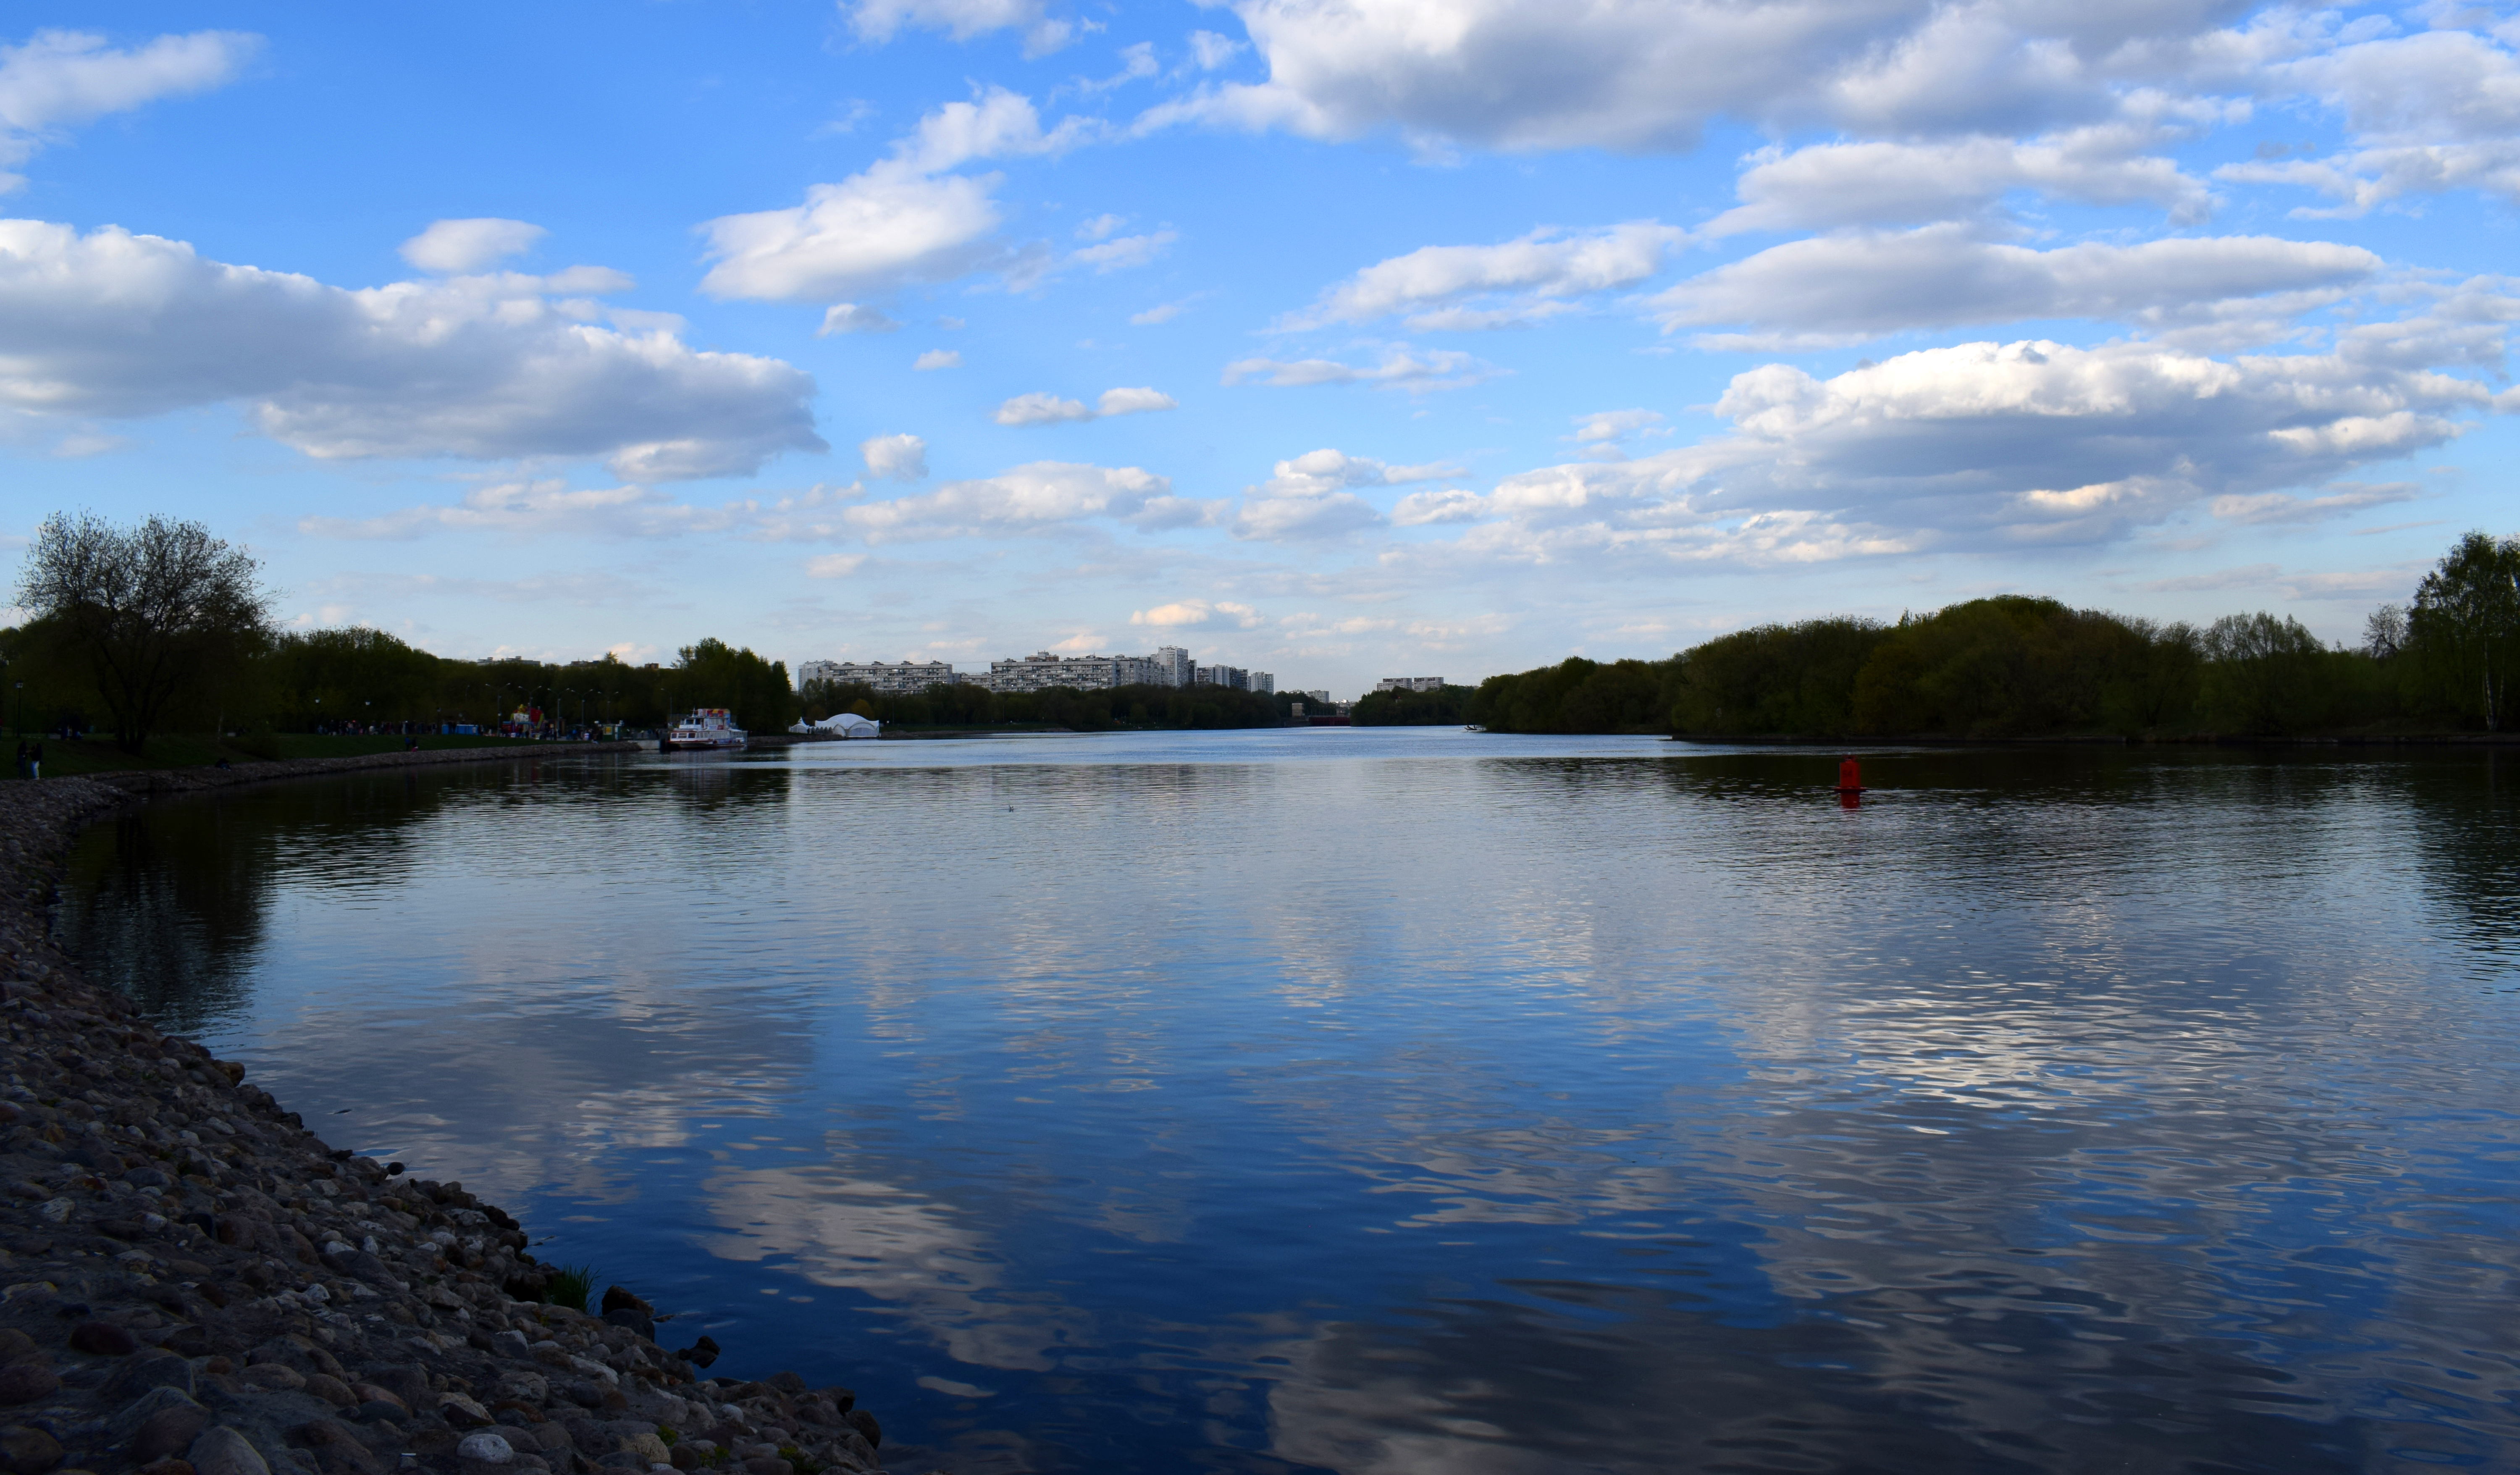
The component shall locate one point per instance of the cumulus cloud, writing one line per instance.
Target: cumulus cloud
(904, 220)
(937, 358)
(57, 79)
(1031, 498)
(1977, 444)
(879, 20)
(1877, 182)
(1842, 289)
(1182, 612)
(2431, 111)
(118, 325)
(1308, 496)
(1123, 252)
(1401, 368)
(895, 458)
(854, 317)
(464, 245)
(1532, 275)
(1050, 410)
(1641, 74)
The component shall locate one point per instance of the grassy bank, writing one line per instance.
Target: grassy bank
(83, 756)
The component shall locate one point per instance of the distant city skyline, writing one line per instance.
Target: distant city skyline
(1337, 340)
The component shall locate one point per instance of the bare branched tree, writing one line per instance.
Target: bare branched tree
(156, 610)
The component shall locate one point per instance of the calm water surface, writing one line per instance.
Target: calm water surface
(1399, 1102)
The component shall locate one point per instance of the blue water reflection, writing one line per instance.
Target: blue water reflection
(1394, 1102)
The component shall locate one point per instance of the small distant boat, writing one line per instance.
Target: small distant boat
(707, 730)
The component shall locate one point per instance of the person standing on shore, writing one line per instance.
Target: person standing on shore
(35, 760)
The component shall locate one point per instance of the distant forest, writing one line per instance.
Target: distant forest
(2015, 666)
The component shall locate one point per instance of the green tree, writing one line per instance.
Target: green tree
(1445, 706)
(156, 612)
(713, 673)
(2464, 629)
(2264, 676)
(1774, 679)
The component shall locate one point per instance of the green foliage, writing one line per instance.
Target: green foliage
(2015, 666)
(570, 1285)
(800, 1461)
(2266, 677)
(1445, 706)
(714, 674)
(2463, 633)
(1576, 696)
(716, 1458)
(1774, 679)
(668, 1435)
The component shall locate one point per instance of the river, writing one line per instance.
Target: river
(1388, 1101)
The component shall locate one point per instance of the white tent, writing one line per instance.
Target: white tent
(848, 725)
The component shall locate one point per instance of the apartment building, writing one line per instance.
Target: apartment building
(1410, 683)
(894, 677)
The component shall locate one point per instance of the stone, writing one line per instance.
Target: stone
(633, 1320)
(25, 1451)
(102, 1339)
(126, 1422)
(170, 1431)
(222, 1451)
(370, 1393)
(27, 1383)
(864, 1422)
(701, 1353)
(486, 1449)
(151, 1369)
(462, 1413)
(331, 1390)
(275, 1375)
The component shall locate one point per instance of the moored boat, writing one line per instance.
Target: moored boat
(706, 730)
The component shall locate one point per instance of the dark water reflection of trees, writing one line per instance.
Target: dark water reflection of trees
(171, 902)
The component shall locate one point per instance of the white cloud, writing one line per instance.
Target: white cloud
(1830, 186)
(521, 508)
(1546, 265)
(1209, 51)
(464, 245)
(1610, 426)
(1029, 498)
(1124, 252)
(903, 219)
(1050, 410)
(1137, 401)
(1307, 498)
(117, 325)
(937, 358)
(879, 20)
(1185, 612)
(2431, 111)
(2282, 508)
(1163, 312)
(895, 458)
(1100, 227)
(1981, 444)
(854, 317)
(1040, 410)
(57, 79)
(1436, 368)
(834, 565)
(1850, 286)
(1427, 509)
(1639, 75)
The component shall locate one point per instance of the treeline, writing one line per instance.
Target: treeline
(2015, 666)
(1445, 706)
(969, 706)
(330, 680)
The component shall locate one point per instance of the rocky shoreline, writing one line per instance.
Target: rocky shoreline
(193, 1283)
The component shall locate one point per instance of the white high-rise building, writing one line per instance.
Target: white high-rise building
(1410, 683)
(884, 675)
(1173, 666)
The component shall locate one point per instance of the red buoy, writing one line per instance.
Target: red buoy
(1850, 776)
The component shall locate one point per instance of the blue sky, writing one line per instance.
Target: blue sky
(1340, 338)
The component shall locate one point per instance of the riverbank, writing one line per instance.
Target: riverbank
(193, 1283)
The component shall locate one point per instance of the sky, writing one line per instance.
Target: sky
(1337, 339)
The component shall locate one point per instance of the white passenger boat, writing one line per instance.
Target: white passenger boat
(706, 730)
